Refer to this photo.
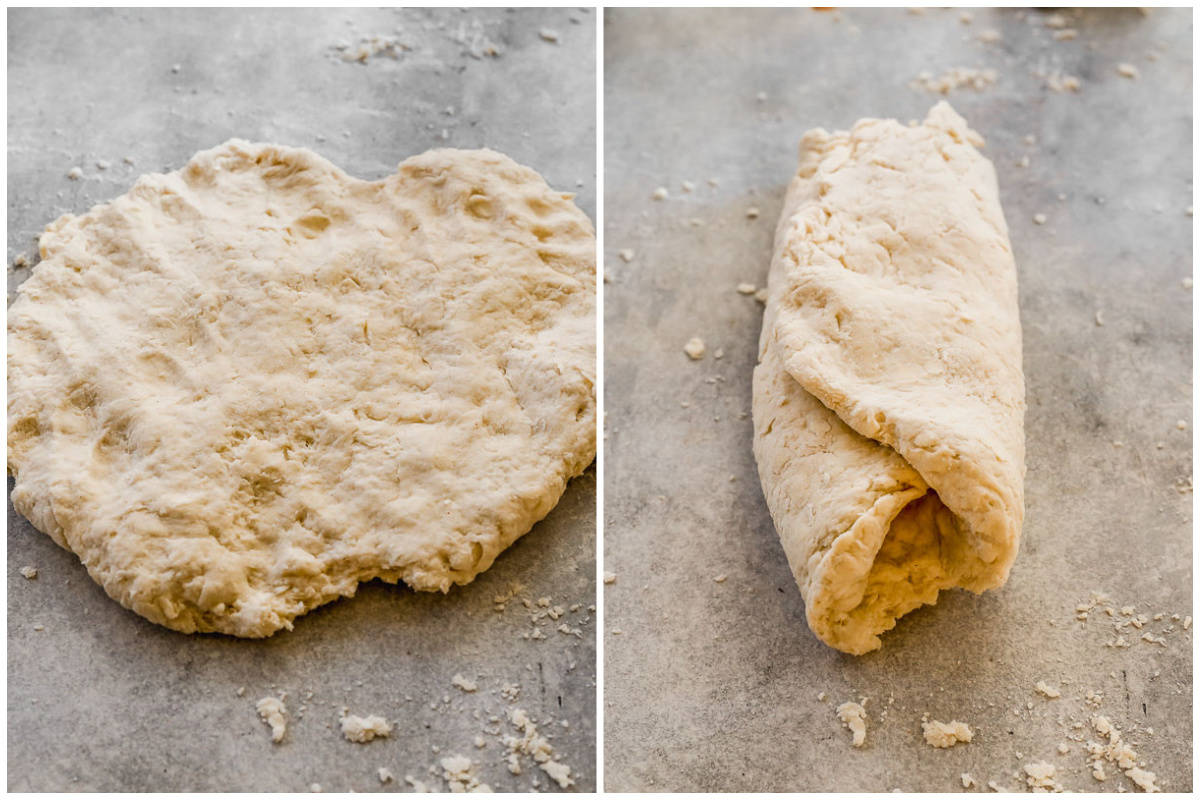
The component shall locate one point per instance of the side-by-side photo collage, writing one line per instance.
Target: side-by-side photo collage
(600, 400)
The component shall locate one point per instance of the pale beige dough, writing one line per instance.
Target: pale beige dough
(244, 387)
(889, 397)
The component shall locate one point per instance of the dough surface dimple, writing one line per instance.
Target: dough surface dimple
(243, 387)
(889, 398)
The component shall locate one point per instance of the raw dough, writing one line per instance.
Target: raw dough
(274, 713)
(365, 729)
(946, 734)
(242, 388)
(889, 398)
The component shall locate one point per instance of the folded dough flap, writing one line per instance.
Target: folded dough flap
(893, 304)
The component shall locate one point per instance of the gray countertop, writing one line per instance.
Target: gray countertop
(100, 699)
(714, 686)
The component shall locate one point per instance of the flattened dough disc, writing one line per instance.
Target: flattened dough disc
(243, 387)
(889, 400)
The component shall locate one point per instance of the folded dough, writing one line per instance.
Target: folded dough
(889, 398)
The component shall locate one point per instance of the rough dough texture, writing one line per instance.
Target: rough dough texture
(243, 387)
(889, 399)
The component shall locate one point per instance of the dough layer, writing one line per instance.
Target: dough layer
(243, 387)
(889, 397)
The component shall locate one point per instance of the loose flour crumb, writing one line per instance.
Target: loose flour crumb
(1048, 691)
(273, 712)
(365, 729)
(956, 78)
(694, 348)
(610, 577)
(661, 193)
(854, 717)
(537, 747)
(459, 773)
(967, 780)
(752, 212)
(626, 255)
(1118, 752)
(74, 173)
(29, 573)
(1128, 71)
(1040, 777)
(1058, 82)
(385, 775)
(466, 684)
(946, 734)
(746, 288)
(548, 35)
(1039, 219)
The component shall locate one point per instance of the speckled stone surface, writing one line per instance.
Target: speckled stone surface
(714, 686)
(98, 698)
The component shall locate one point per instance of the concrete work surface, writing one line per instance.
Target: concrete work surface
(712, 679)
(100, 699)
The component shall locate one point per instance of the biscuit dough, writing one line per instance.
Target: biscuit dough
(889, 398)
(243, 387)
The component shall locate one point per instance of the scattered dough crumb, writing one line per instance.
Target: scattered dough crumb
(720, 578)
(1049, 691)
(1039, 776)
(694, 348)
(274, 713)
(989, 36)
(626, 255)
(385, 775)
(610, 577)
(746, 288)
(1128, 71)
(549, 35)
(417, 786)
(854, 717)
(956, 78)
(102, 164)
(752, 212)
(1065, 35)
(364, 729)
(74, 173)
(536, 746)
(1039, 219)
(459, 772)
(29, 572)
(761, 295)
(967, 780)
(1063, 83)
(661, 193)
(466, 684)
(1117, 752)
(946, 734)
(687, 186)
